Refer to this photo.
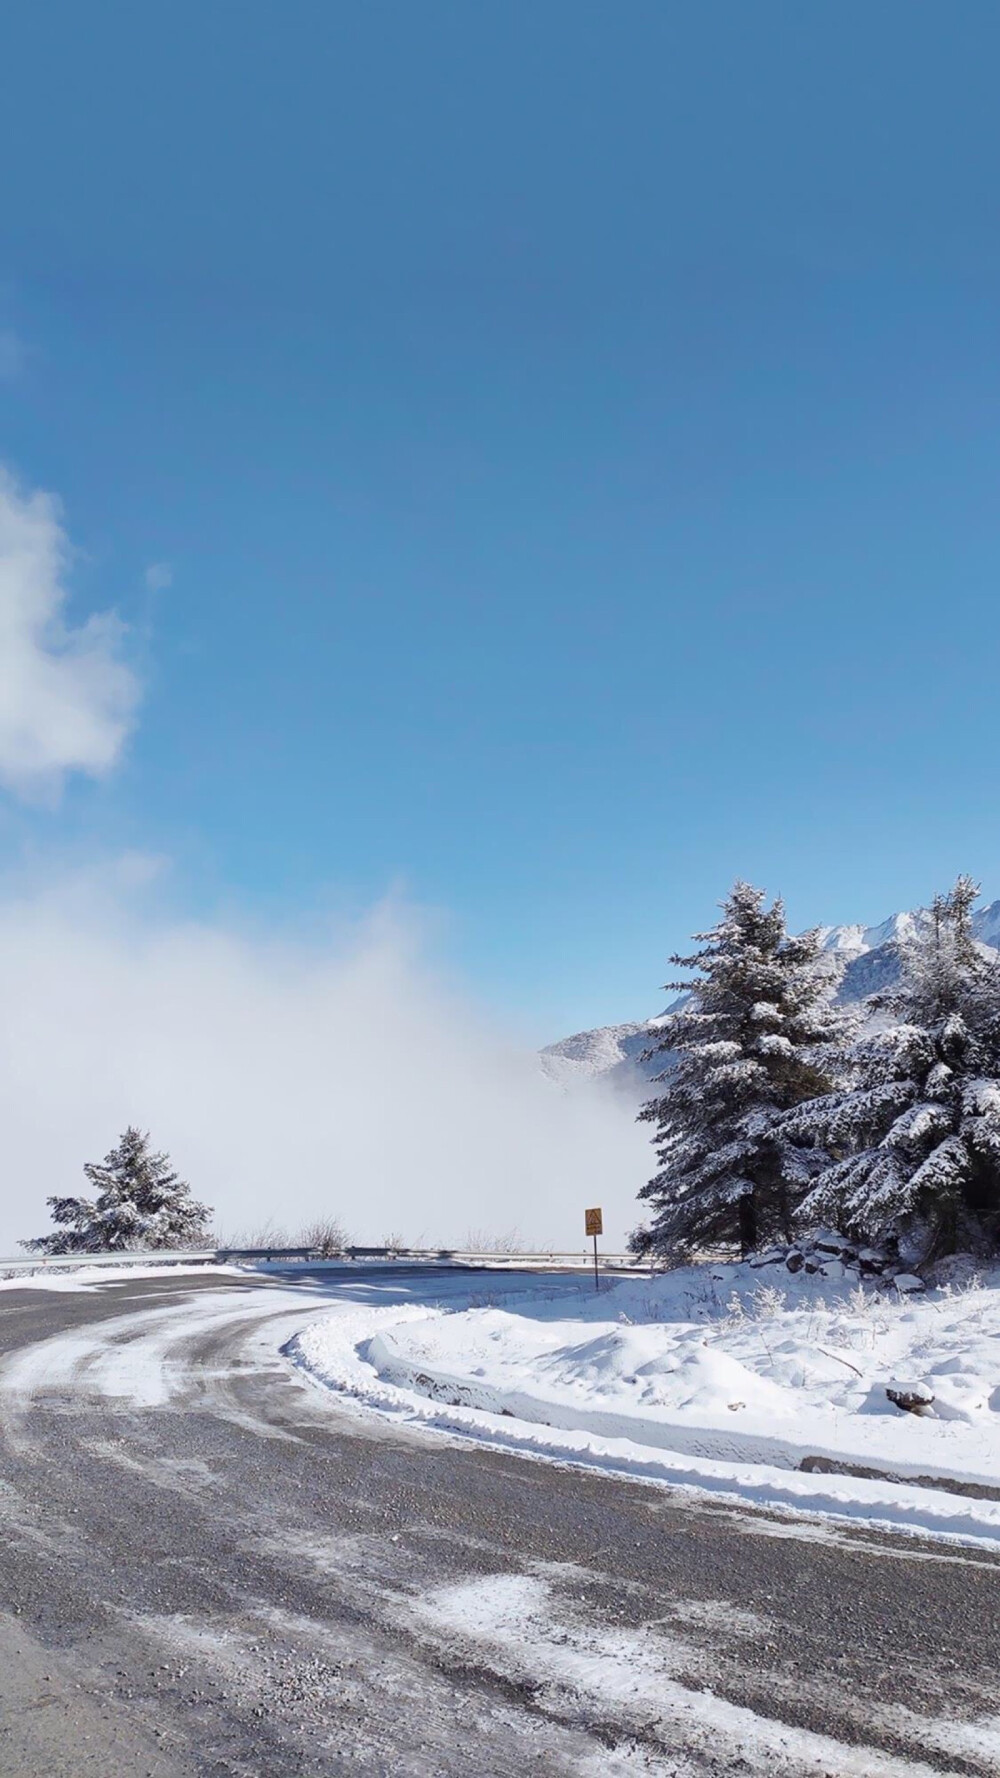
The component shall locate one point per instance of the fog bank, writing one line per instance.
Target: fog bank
(285, 1079)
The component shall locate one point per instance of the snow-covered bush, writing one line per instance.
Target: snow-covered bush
(768, 1301)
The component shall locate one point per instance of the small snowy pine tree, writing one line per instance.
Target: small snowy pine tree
(915, 1131)
(140, 1203)
(747, 1044)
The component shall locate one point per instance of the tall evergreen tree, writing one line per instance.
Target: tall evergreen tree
(141, 1203)
(914, 1134)
(748, 1043)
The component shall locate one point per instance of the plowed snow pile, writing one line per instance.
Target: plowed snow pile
(756, 1371)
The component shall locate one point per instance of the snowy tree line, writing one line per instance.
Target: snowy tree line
(780, 1109)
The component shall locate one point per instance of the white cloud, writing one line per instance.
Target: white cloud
(158, 576)
(66, 697)
(285, 1079)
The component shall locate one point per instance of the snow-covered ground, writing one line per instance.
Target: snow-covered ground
(751, 1382)
(87, 1277)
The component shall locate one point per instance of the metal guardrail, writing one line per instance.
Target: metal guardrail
(62, 1262)
(43, 1262)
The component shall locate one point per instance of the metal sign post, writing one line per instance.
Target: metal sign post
(594, 1225)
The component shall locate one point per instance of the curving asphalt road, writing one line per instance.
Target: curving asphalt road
(210, 1567)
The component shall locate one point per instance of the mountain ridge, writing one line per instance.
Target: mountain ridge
(612, 1054)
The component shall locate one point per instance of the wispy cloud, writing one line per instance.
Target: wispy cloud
(67, 699)
(158, 576)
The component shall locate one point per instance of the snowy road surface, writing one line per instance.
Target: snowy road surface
(210, 1566)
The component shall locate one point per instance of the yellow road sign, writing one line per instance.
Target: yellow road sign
(594, 1222)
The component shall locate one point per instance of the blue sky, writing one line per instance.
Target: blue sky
(572, 434)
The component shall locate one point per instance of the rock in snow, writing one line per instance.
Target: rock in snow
(913, 1398)
(832, 1256)
(827, 1241)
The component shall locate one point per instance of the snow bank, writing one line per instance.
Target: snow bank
(715, 1378)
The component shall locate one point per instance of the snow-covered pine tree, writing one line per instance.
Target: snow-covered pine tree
(747, 1044)
(140, 1203)
(914, 1133)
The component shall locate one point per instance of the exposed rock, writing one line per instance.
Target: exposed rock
(794, 1260)
(913, 1398)
(908, 1284)
(829, 1242)
(770, 1257)
(870, 1260)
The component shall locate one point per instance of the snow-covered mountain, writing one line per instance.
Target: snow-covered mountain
(613, 1053)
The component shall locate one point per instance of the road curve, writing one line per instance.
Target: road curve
(211, 1568)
